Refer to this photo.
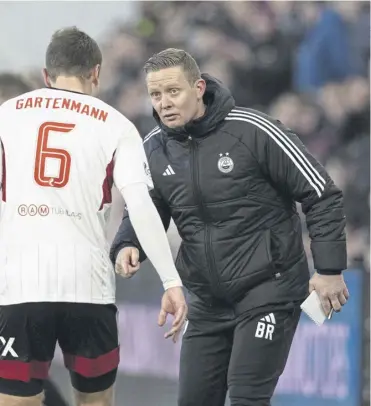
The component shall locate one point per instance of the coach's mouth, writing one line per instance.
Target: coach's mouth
(170, 117)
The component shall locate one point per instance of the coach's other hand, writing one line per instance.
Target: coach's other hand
(173, 302)
(127, 262)
(331, 290)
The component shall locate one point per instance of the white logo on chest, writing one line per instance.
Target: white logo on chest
(225, 163)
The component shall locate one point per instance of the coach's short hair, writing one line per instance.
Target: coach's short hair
(71, 52)
(172, 57)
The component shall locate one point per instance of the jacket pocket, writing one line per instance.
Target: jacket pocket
(262, 263)
(245, 257)
(286, 243)
(253, 268)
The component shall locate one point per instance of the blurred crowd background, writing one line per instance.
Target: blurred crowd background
(305, 63)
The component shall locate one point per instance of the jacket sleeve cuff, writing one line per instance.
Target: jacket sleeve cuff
(329, 272)
(329, 256)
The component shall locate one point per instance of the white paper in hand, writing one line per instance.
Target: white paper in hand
(313, 308)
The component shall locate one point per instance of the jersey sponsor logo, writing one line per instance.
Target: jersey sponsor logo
(225, 163)
(265, 327)
(44, 210)
(6, 347)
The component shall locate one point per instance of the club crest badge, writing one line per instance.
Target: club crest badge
(225, 163)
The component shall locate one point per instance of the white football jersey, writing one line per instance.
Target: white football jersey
(61, 152)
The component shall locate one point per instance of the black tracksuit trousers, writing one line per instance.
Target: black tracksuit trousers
(244, 353)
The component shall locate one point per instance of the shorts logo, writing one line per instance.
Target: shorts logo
(225, 163)
(7, 347)
(265, 327)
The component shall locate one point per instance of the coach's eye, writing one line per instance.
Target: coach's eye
(155, 95)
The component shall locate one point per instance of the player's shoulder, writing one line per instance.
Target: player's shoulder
(152, 140)
(89, 100)
(118, 120)
(115, 120)
(9, 104)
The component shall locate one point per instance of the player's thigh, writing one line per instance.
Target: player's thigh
(27, 345)
(88, 337)
(9, 400)
(260, 349)
(204, 360)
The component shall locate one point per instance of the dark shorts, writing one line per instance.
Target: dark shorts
(86, 333)
(245, 354)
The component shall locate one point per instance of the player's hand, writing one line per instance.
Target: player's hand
(127, 262)
(174, 303)
(331, 290)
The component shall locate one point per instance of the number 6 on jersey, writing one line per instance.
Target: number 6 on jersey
(43, 152)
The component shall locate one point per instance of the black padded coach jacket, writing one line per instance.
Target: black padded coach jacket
(230, 181)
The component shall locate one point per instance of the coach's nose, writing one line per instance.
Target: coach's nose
(166, 103)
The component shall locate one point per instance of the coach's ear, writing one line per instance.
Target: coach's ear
(46, 78)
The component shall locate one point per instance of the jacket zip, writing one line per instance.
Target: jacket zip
(204, 216)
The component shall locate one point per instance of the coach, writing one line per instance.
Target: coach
(230, 178)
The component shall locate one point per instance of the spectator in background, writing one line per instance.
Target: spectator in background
(325, 54)
(268, 73)
(12, 85)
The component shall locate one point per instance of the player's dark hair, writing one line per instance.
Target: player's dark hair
(72, 53)
(172, 57)
(13, 85)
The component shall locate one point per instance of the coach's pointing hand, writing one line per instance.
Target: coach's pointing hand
(127, 262)
(174, 303)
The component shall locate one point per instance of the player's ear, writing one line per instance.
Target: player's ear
(46, 78)
(96, 73)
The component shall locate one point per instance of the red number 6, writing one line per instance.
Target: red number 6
(43, 152)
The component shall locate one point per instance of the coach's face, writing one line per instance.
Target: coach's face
(175, 99)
